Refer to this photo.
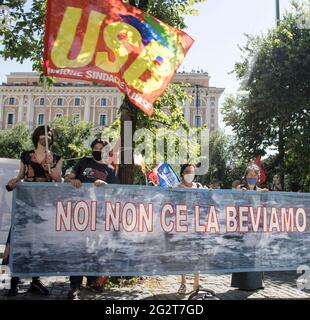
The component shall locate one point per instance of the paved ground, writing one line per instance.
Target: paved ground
(278, 285)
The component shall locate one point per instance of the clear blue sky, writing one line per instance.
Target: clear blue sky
(218, 30)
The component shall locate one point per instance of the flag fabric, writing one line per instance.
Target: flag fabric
(115, 44)
(164, 175)
(263, 177)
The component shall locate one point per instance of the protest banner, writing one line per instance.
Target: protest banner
(139, 230)
(113, 43)
(8, 170)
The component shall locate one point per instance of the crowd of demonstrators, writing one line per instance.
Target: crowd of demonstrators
(41, 165)
(36, 165)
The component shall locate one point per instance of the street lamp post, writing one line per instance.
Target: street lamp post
(278, 11)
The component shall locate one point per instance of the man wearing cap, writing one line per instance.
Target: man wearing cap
(90, 170)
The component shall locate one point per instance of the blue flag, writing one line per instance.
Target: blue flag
(164, 175)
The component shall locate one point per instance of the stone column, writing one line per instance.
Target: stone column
(216, 116)
(1, 111)
(20, 109)
(94, 111)
(30, 112)
(208, 112)
(87, 108)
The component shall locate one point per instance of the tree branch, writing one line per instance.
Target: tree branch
(132, 3)
(143, 4)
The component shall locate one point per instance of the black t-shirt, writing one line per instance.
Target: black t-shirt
(88, 170)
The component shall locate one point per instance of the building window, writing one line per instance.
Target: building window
(59, 102)
(102, 120)
(10, 118)
(11, 101)
(103, 102)
(198, 121)
(58, 115)
(77, 101)
(40, 119)
(42, 102)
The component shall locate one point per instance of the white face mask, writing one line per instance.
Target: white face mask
(189, 177)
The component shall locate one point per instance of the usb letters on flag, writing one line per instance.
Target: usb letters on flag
(113, 43)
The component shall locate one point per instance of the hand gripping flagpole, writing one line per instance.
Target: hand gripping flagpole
(45, 124)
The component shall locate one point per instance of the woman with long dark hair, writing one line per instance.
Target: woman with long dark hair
(36, 165)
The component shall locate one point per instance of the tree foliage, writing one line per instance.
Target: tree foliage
(71, 139)
(24, 40)
(14, 141)
(273, 107)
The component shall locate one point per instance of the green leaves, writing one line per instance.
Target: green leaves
(14, 141)
(23, 39)
(275, 71)
(71, 138)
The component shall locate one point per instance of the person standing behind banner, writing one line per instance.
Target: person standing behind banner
(215, 184)
(236, 185)
(34, 167)
(187, 174)
(249, 281)
(90, 170)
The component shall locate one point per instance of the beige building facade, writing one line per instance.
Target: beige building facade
(22, 99)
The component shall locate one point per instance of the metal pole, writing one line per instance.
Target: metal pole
(278, 11)
(45, 122)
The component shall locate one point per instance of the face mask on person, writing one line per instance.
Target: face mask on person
(97, 155)
(252, 181)
(189, 177)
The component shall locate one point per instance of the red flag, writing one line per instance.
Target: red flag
(263, 177)
(153, 175)
(113, 43)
